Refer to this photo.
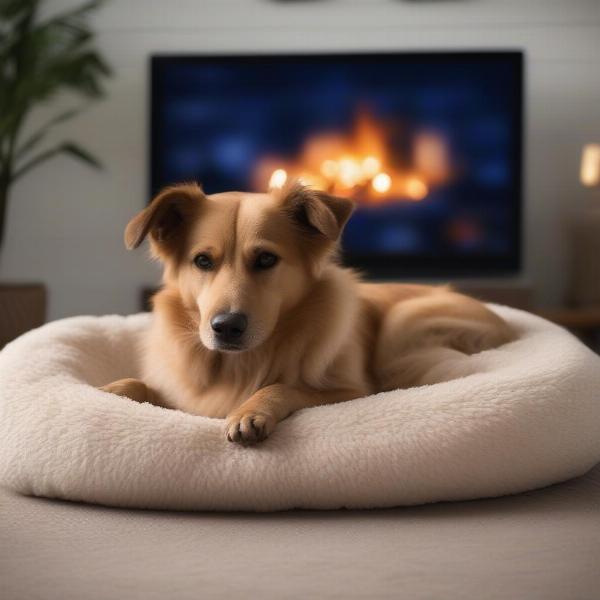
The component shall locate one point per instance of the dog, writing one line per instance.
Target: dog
(257, 319)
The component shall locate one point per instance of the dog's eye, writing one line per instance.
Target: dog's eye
(204, 262)
(265, 260)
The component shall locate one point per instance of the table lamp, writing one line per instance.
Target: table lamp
(590, 165)
(585, 273)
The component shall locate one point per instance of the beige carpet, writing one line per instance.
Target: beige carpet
(544, 544)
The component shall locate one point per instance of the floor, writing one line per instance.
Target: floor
(543, 544)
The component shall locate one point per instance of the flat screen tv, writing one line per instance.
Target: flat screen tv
(428, 144)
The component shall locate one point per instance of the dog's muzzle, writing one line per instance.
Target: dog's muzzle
(228, 329)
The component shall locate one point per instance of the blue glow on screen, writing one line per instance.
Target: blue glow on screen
(215, 119)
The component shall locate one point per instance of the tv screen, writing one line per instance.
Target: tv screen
(427, 144)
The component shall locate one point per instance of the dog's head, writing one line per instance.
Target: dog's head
(241, 260)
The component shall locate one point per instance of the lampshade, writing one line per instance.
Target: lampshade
(590, 165)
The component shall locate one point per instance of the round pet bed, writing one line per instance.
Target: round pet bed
(527, 416)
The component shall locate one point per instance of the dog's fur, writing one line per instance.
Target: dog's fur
(315, 333)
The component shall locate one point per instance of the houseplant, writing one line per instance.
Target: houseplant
(40, 58)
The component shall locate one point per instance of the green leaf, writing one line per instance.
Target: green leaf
(83, 155)
(9, 9)
(38, 61)
(76, 14)
(35, 138)
(71, 148)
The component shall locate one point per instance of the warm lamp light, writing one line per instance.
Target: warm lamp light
(416, 189)
(584, 276)
(590, 165)
(278, 179)
(381, 183)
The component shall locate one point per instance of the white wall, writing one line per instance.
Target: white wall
(65, 222)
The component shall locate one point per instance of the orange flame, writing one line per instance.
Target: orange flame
(361, 165)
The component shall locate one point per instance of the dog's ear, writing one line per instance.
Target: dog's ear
(164, 215)
(316, 211)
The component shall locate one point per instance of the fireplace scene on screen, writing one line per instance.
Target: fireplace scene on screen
(361, 165)
(426, 146)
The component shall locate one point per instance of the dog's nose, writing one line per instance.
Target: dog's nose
(229, 327)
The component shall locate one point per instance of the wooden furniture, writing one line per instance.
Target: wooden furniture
(583, 322)
(22, 307)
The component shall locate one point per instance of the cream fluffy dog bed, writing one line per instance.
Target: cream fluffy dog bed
(528, 416)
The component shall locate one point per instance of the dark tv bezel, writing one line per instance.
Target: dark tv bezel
(398, 265)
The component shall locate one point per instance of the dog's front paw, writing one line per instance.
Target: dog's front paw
(249, 427)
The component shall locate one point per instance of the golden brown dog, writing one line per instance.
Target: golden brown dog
(256, 319)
